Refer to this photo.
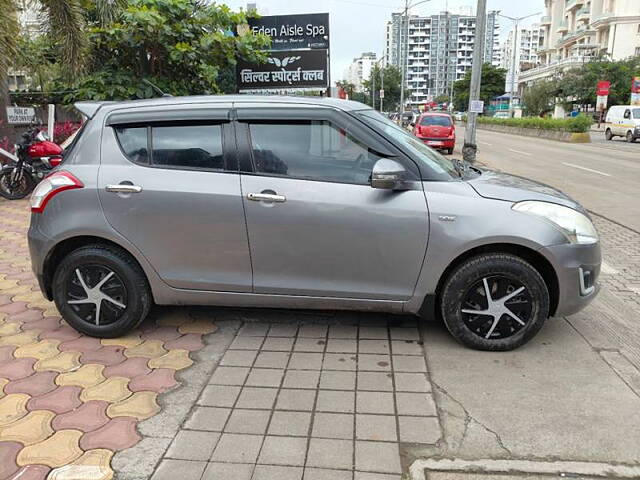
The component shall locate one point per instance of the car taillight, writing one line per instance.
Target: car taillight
(51, 185)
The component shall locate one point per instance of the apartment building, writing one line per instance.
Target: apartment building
(439, 50)
(360, 70)
(577, 31)
(527, 43)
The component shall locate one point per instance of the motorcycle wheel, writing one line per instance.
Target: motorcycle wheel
(15, 192)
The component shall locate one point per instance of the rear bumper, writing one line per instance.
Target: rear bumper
(577, 268)
(439, 142)
(39, 245)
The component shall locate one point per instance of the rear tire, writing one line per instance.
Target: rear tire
(465, 290)
(124, 296)
(607, 134)
(629, 137)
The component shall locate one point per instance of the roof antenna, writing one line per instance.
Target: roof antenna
(156, 88)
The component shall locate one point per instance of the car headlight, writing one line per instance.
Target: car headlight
(574, 225)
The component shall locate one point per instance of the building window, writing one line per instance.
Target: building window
(637, 52)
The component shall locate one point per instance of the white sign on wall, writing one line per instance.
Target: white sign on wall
(601, 102)
(20, 115)
(381, 93)
(476, 106)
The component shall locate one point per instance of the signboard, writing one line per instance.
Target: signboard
(601, 102)
(288, 69)
(290, 32)
(476, 106)
(20, 115)
(635, 91)
(603, 88)
(381, 93)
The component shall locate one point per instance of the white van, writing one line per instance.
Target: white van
(624, 121)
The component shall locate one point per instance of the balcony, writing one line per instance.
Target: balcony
(602, 19)
(545, 20)
(583, 14)
(571, 4)
(562, 27)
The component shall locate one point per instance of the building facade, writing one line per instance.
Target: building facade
(360, 70)
(527, 43)
(578, 31)
(31, 25)
(439, 50)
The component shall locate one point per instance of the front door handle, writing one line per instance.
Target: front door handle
(123, 188)
(266, 197)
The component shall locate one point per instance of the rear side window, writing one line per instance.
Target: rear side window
(177, 146)
(438, 120)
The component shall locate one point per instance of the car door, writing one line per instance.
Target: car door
(170, 185)
(316, 226)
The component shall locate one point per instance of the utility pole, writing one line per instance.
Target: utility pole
(470, 148)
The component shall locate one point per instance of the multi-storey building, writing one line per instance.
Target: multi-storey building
(31, 25)
(439, 50)
(360, 70)
(577, 31)
(526, 45)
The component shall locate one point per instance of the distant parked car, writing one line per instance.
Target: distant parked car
(624, 122)
(459, 116)
(436, 130)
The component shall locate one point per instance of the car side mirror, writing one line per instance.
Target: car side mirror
(388, 174)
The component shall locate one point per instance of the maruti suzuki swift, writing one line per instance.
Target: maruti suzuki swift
(299, 203)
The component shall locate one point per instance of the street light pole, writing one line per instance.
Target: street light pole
(470, 148)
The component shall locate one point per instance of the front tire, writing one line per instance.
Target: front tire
(21, 189)
(608, 134)
(629, 137)
(508, 293)
(101, 291)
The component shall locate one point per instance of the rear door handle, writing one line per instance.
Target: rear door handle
(266, 197)
(123, 188)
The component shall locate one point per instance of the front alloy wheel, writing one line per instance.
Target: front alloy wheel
(494, 301)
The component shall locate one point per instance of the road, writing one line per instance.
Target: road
(603, 176)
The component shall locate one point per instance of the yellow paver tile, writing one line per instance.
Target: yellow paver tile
(140, 405)
(176, 359)
(9, 328)
(13, 407)
(147, 349)
(32, 428)
(92, 465)
(3, 383)
(19, 339)
(199, 326)
(63, 362)
(113, 389)
(58, 450)
(29, 296)
(85, 376)
(40, 350)
(128, 341)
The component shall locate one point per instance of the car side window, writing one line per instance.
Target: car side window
(311, 150)
(133, 141)
(174, 146)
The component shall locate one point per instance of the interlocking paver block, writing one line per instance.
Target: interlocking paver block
(193, 445)
(7, 329)
(130, 368)
(330, 453)
(19, 339)
(8, 453)
(60, 449)
(63, 362)
(140, 405)
(201, 327)
(86, 376)
(175, 359)
(60, 400)
(127, 341)
(147, 349)
(190, 342)
(159, 380)
(32, 428)
(117, 434)
(377, 457)
(92, 465)
(31, 472)
(237, 448)
(333, 425)
(113, 389)
(16, 369)
(39, 350)
(37, 384)
(13, 407)
(86, 418)
(283, 451)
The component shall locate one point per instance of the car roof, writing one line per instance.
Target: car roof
(89, 109)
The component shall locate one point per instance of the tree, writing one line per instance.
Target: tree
(492, 85)
(392, 78)
(538, 99)
(183, 46)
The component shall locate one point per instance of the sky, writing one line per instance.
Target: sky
(358, 26)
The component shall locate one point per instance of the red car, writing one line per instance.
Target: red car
(436, 130)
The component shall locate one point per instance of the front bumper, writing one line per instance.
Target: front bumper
(577, 268)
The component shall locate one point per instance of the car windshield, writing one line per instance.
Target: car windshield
(439, 120)
(440, 165)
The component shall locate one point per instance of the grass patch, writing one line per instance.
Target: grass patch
(579, 124)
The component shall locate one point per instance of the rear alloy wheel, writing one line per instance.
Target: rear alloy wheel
(494, 302)
(101, 291)
(630, 138)
(607, 134)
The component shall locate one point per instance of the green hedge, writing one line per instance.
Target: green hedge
(578, 124)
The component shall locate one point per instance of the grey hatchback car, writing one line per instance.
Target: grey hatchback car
(296, 202)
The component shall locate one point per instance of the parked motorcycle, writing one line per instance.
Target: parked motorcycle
(37, 156)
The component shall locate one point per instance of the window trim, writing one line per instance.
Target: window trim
(230, 164)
